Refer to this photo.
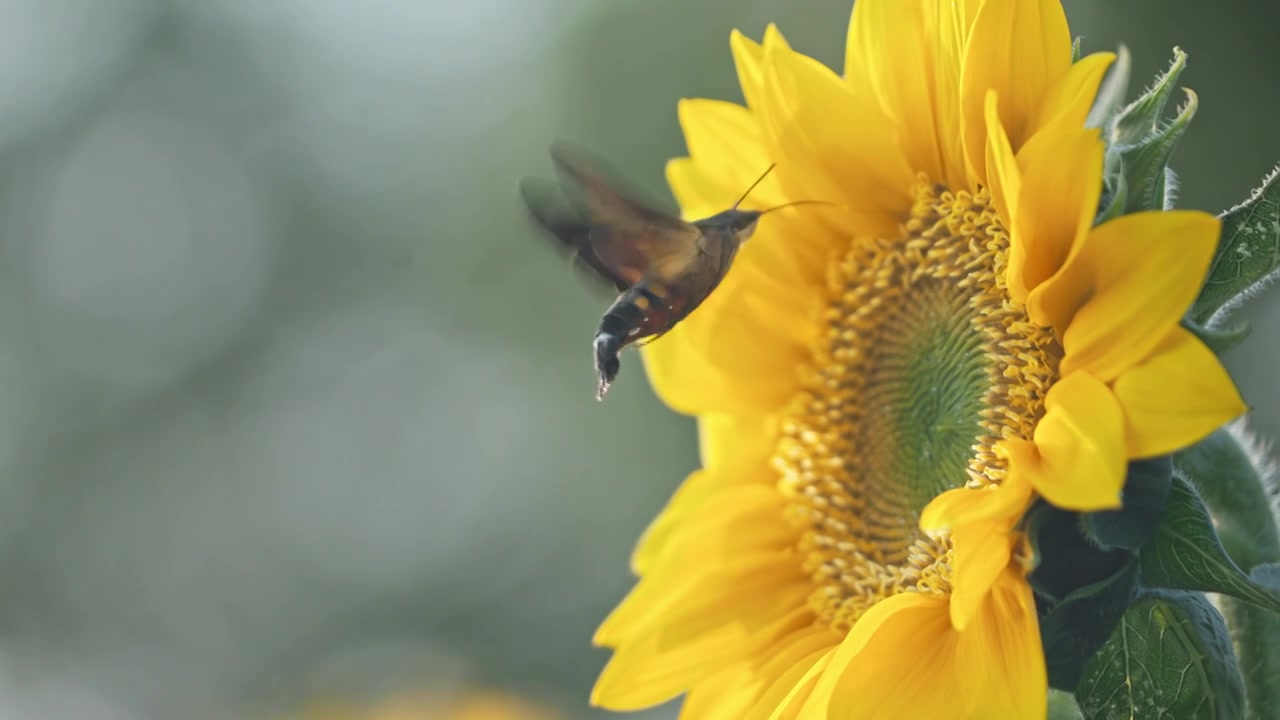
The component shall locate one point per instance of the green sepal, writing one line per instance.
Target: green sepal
(1146, 487)
(1115, 189)
(1140, 143)
(1169, 656)
(1142, 117)
(1102, 114)
(1218, 339)
(1111, 91)
(1248, 253)
(1062, 706)
(1081, 590)
(1151, 184)
(1185, 553)
(1072, 631)
(1075, 49)
(1067, 563)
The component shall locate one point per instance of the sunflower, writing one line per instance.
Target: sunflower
(882, 387)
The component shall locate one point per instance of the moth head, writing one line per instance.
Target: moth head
(742, 223)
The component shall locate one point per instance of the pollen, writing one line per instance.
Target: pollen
(925, 363)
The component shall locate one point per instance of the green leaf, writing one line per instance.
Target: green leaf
(1146, 163)
(1143, 116)
(1219, 339)
(1185, 553)
(1169, 657)
(1072, 630)
(1145, 489)
(1226, 477)
(1248, 253)
(1062, 706)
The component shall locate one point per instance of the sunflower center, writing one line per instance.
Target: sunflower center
(923, 393)
(925, 364)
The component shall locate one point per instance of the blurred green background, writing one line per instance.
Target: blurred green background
(296, 404)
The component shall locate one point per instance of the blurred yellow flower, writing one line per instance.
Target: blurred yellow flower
(882, 388)
(435, 705)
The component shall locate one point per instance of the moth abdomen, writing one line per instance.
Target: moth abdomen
(625, 321)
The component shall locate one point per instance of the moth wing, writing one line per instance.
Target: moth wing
(627, 235)
(571, 231)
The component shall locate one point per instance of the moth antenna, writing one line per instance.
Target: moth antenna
(800, 202)
(754, 184)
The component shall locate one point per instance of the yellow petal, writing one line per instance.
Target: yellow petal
(898, 647)
(656, 538)
(1004, 176)
(730, 519)
(741, 528)
(955, 22)
(954, 18)
(743, 603)
(652, 670)
(1130, 284)
(785, 697)
(806, 112)
(640, 677)
(726, 141)
(981, 522)
(757, 677)
(1001, 656)
(1019, 48)
(909, 661)
(964, 505)
(727, 694)
(748, 58)
(793, 661)
(698, 193)
(981, 552)
(890, 51)
(1067, 104)
(1175, 397)
(1078, 459)
(1061, 183)
(738, 446)
(691, 381)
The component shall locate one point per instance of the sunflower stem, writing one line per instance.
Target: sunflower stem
(1255, 631)
(1230, 470)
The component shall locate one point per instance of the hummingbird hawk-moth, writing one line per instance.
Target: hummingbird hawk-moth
(662, 266)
